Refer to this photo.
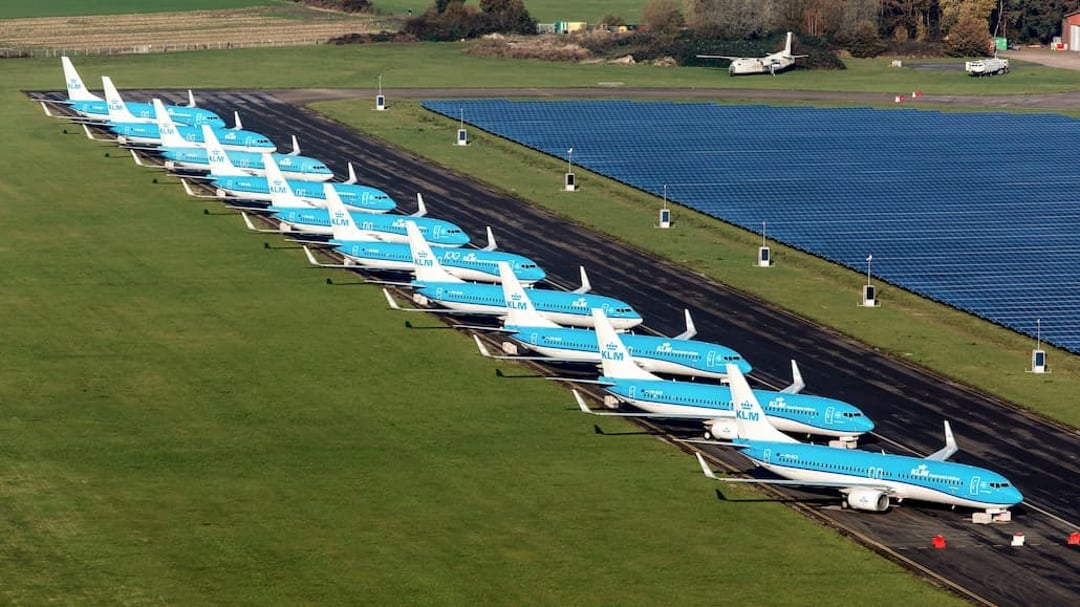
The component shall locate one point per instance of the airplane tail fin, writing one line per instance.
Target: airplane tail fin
(341, 222)
(118, 111)
(787, 47)
(749, 416)
(216, 156)
(428, 268)
(281, 194)
(614, 357)
(170, 137)
(76, 90)
(520, 311)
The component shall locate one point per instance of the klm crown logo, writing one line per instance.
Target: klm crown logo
(515, 302)
(217, 157)
(422, 260)
(611, 352)
(277, 186)
(74, 84)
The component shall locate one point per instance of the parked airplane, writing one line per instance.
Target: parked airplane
(787, 409)
(867, 480)
(769, 64)
(96, 109)
(672, 355)
(199, 159)
(391, 228)
(137, 133)
(226, 178)
(367, 250)
(230, 183)
(434, 285)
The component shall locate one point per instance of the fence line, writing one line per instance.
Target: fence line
(144, 49)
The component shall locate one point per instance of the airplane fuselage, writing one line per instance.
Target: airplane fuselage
(357, 197)
(301, 168)
(795, 413)
(562, 307)
(313, 220)
(98, 110)
(683, 357)
(147, 133)
(466, 264)
(901, 476)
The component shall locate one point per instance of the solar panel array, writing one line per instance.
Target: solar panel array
(975, 210)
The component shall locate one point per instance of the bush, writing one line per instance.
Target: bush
(865, 41)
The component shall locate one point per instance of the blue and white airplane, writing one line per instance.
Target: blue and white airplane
(867, 480)
(132, 132)
(366, 250)
(295, 217)
(434, 285)
(199, 159)
(231, 183)
(678, 355)
(282, 192)
(787, 409)
(96, 109)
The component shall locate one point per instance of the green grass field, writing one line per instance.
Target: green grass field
(74, 8)
(190, 418)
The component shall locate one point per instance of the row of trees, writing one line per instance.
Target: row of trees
(454, 20)
(898, 20)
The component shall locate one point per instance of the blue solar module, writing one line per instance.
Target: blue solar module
(975, 210)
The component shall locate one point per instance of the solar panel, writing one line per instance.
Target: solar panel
(974, 210)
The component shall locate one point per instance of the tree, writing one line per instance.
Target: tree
(662, 16)
(970, 37)
(865, 42)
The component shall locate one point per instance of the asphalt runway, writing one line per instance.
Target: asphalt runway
(907, 403)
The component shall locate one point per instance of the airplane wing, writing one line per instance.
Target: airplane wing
(843, 486)
(719, 57)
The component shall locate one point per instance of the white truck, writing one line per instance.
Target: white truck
(987, 67)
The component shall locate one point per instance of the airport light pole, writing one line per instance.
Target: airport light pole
(869, 258)
(570, 160)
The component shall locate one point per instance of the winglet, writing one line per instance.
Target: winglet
(352, 175)
(295, 147)
(187, 188)
(45, 107)
(691, 330)
(705, 467)
(421, 208)
(950, 446)
(797, 383)
(138, 160)
(191, 100)
(89, 134)
(491, 246)
(586, 286)
(247, 220)
(483, 349)
(236, 118)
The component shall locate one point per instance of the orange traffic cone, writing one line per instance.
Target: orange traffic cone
(939, 542)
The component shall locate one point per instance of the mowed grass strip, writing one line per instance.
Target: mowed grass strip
(189, 418)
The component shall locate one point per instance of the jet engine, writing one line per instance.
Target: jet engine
(868, 499)
(721, 429)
